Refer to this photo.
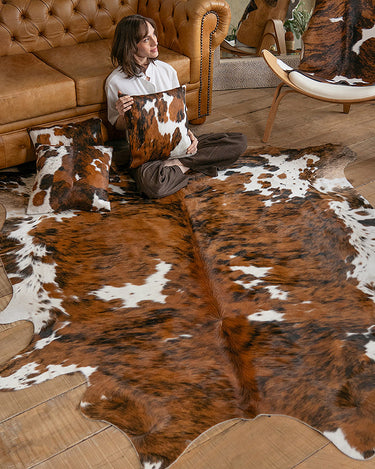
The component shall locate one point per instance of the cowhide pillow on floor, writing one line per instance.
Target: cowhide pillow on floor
(86, 133)
(157, 127)
(70, 178)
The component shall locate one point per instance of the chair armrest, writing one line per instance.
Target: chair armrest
(275, 65)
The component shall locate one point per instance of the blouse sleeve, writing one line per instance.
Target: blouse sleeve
(112, 97)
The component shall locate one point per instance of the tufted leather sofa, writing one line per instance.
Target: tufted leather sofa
(55, 56)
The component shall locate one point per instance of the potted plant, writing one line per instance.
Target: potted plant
(296, 25)
(232, 34)
(289, 37)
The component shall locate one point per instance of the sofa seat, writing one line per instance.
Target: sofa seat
(87, 64)
(31, 88)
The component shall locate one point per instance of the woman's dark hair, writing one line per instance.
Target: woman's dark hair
(129, 32)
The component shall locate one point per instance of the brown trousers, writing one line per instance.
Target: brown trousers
(215, 151)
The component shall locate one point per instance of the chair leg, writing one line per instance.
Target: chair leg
(346, 108)
(278, 96)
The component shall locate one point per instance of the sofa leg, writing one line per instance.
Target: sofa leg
(199, 121)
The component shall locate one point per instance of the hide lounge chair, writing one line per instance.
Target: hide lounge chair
(338, 62)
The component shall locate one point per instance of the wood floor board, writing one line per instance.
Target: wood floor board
(14, 403)
(223, 100)
(290, 126)
(265, 442)
(212, 432)
(14, 338)
(4, 301)
(47, 429)
(293, 101)
(5, 285)
(361, 172)
(365, 149)
(316, 122)
(330, 457)
(6, 461)
(368, 192)
(248, 103)
(108, 448)
(319, 128)
(347, 132)
(41, 427)
(290, 102)
(228, 122)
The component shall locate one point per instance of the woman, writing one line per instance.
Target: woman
(139, 72)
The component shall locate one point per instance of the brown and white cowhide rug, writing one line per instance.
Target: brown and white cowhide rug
(249, 293)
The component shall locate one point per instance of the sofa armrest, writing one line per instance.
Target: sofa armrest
(194, 28)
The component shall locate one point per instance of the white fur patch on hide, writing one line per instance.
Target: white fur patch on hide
(131, 295)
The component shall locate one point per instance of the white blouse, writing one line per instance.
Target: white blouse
(161, 77)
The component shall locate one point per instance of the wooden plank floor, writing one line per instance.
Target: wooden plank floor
(42, 427)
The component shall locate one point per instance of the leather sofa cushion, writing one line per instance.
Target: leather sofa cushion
(88, 64)
(30, 88)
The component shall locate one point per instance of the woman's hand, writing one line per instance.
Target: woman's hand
(124, 103)
(194, 143)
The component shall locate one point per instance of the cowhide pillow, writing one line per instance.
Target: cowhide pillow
(81, 134)
(70, 178)
(157, 127)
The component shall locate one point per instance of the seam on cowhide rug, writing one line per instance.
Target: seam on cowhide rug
(245, 294)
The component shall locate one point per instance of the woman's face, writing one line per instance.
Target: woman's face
(147, 48)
